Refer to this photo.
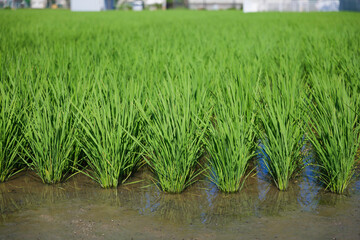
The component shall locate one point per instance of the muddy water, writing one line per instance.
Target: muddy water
(80, 209)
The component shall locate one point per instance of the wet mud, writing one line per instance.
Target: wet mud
(80, 209)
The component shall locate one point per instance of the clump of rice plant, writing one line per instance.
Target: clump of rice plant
(231, 139)
(50, 135)
(109, 124)
(282, 128)
(174, 136)
(334, 132)
(10, 134)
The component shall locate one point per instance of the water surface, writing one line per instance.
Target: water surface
(80, 209)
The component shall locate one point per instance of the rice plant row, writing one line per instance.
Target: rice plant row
(185, 93)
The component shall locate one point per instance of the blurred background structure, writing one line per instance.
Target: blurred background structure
(349, 5)
(92, 5)
(215, 4)
(291, 5)
(137, 5)
(35, 3)
(301, 5)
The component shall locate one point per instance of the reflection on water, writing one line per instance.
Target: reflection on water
(356, 186)
(200, 204)
(309, 187)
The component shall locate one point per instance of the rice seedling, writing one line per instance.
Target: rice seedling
(333, 131)
(282, 128)
(10, 134)
(231, 139)
(50, 135)
(174, 136)
(93, 62)
(109, 124)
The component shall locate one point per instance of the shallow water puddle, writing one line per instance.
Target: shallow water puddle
(80, 209)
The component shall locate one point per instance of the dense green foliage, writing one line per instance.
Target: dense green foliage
(50, 134)
(109, 119)
(231, 140)
(282, 127)
(10, 136)
(174, 135)
(105, 92)
(334, 131)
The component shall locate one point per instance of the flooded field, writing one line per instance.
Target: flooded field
(80, 209)
(105, 93)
